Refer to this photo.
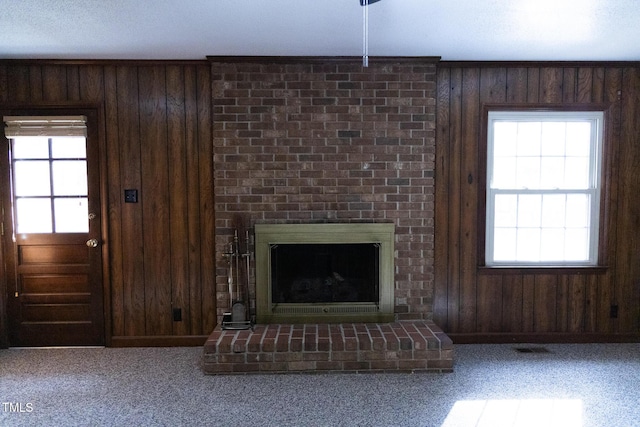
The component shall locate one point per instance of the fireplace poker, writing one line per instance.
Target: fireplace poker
(237, 318)
(229, 255)
(247, 257)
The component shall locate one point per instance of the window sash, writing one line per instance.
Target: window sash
(591, 191)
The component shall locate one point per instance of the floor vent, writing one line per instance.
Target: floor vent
(531, 350)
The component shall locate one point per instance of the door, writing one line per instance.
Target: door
(52, 231)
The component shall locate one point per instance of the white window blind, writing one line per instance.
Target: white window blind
(16, 126)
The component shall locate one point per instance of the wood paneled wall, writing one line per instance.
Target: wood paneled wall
(156, 136)
(474, 305)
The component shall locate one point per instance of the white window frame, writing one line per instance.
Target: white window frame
(596, 119)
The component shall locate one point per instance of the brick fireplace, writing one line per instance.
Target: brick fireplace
(325, 140)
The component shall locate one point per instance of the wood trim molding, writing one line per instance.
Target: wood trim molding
(498, 64)
(102, 62)
(321, 59)
(159, 341)
(547, 338)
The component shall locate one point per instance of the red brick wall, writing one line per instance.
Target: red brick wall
(329, 141)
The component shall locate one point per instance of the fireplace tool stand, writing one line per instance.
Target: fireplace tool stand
(238, 317)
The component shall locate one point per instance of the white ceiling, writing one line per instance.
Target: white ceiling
(571, 30)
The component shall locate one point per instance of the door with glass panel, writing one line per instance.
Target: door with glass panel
(53, 244)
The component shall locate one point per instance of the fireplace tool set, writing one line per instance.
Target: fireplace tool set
(238, 317)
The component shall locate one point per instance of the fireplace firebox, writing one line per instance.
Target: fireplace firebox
(324, 273)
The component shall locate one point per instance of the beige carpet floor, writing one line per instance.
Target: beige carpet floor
(492, 385)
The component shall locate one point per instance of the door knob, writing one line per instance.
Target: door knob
(92, 243)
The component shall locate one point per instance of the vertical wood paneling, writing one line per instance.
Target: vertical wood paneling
(54, 83)
(157, 131)
(530, 303)
(178, 204)
(529, 307)
(533, 84)
(512, 303)
(576, 300)
(441, 258)
(569, 85)
(91, 83)
(516, 84)
(35, 83)
(493, 89)
(73, 82)
(562, 306)
(207, 210)
(133, 280)
(490, 299)
(551, 84)
(155, 199)
(627, 294)
(4, 84)
(584, 85)
(115, 244)
(454, 206)
(592, 304)
(18, 83)
(469, 197)
(194, 297)
(545, 303)
(598, 85)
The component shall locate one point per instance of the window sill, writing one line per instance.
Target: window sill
(600, 269)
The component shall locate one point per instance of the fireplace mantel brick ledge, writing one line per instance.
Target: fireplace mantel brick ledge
(402, 346)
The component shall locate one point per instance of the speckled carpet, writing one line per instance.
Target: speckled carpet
(492, 385)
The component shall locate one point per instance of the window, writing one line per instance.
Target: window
(49, 174)
(543, 188)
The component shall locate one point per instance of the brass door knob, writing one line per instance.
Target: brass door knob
(92, 243)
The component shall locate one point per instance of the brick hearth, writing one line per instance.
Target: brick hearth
(404, 346)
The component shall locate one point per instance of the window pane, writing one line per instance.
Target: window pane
(529, 138)
(553, 210)
(504, 244)
(578, 139)
(506, 208)
(528, 172)
(577, 173)
(553, 138)
(504, 173)
(30, 147)
(72, 215)
(69, 178)
(32, 178)
(552, 172)
(505, 138)
(529, 210)
(33, 216)
(68, 147)
(577, 245)
(528, 246)
(552, 247)
(578, 210)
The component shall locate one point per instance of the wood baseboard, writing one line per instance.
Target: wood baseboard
(542, 338)
(159, 341)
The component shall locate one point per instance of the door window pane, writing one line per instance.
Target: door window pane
(68, 147)
(71, 215)
(69, 178)
(33, 216)
(44, 165)
(31, 147)
(32, 178)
